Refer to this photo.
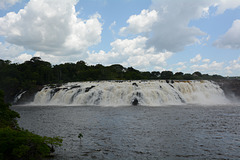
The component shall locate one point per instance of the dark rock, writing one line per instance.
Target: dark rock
(135, 102)
(231, 88)
(89, 88)
(171, 85)
(77, 86)
(139, 94)
(29, 95)
(135, 84)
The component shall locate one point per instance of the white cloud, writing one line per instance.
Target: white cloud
(22, 58)
(131, 52)
(172, 31)
(51, 27)
(180, 63)
(140, 23)
(56, 59)
(9, 51)
(111, 27)
(233, 66)
(103, 57)
(7, 3)
(134, 46)
(206, 60)
(182, 66)
(209, 68)
(231, 38)
(169, 27)
(224, 5)
(197, 58)
(13, 52)
(144, 61)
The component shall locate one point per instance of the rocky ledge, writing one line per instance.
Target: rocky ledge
(231, 88)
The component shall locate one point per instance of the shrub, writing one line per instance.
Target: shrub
(20, 144)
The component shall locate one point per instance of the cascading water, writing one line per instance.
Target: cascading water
(121, 93)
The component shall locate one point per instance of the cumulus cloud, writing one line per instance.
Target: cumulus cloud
(197, 58)
(22, 58)
(51, 27)
(206, 60)
(210, 68)
(231, 38)
(56, 59)
(172, 31)
(181, 63)
(140, 23)
(233, 66)
(223, 5)
(10, 51)
(131, 52)
(181, 66)
(7, 3)
(168, 22)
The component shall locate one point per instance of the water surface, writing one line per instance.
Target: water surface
(138, 132)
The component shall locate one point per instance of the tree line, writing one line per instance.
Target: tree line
(36, 72)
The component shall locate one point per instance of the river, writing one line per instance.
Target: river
(138, 132)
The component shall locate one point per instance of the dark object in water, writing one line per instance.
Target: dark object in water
(135, 102)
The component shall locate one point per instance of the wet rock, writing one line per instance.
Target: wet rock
(171, 85)
(139, 94)
(29, 95)
(230, 87)
(135, 84)
(89, 88)
(135, 102)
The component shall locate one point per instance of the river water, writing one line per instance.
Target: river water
(138, 132)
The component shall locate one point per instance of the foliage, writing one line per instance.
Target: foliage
(16, 143)
(7, 116)
(80, 135)
(35, 72)
(166, 74)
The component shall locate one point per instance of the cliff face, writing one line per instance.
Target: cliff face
(28, 96)
(231, 88)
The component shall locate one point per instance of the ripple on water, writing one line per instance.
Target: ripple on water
(172, 132)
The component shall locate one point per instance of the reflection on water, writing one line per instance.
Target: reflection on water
(171, 132)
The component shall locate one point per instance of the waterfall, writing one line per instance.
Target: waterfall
(122, 93)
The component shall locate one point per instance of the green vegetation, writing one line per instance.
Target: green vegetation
(80, 135)
(17, 143)
(36, 72)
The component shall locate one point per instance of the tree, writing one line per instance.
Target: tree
(16, 143)
(187, 76)
(178, 76)
(166, 74)
(197, 75)
(156, 74)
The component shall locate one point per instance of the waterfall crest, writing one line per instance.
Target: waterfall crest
(122, 93)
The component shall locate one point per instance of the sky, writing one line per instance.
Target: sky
(149, 35)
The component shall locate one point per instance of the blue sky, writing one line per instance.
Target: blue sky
(149, 35)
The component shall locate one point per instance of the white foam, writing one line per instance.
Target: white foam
(147, 93)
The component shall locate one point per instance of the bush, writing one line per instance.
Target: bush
(7, 116)
(20, 144)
